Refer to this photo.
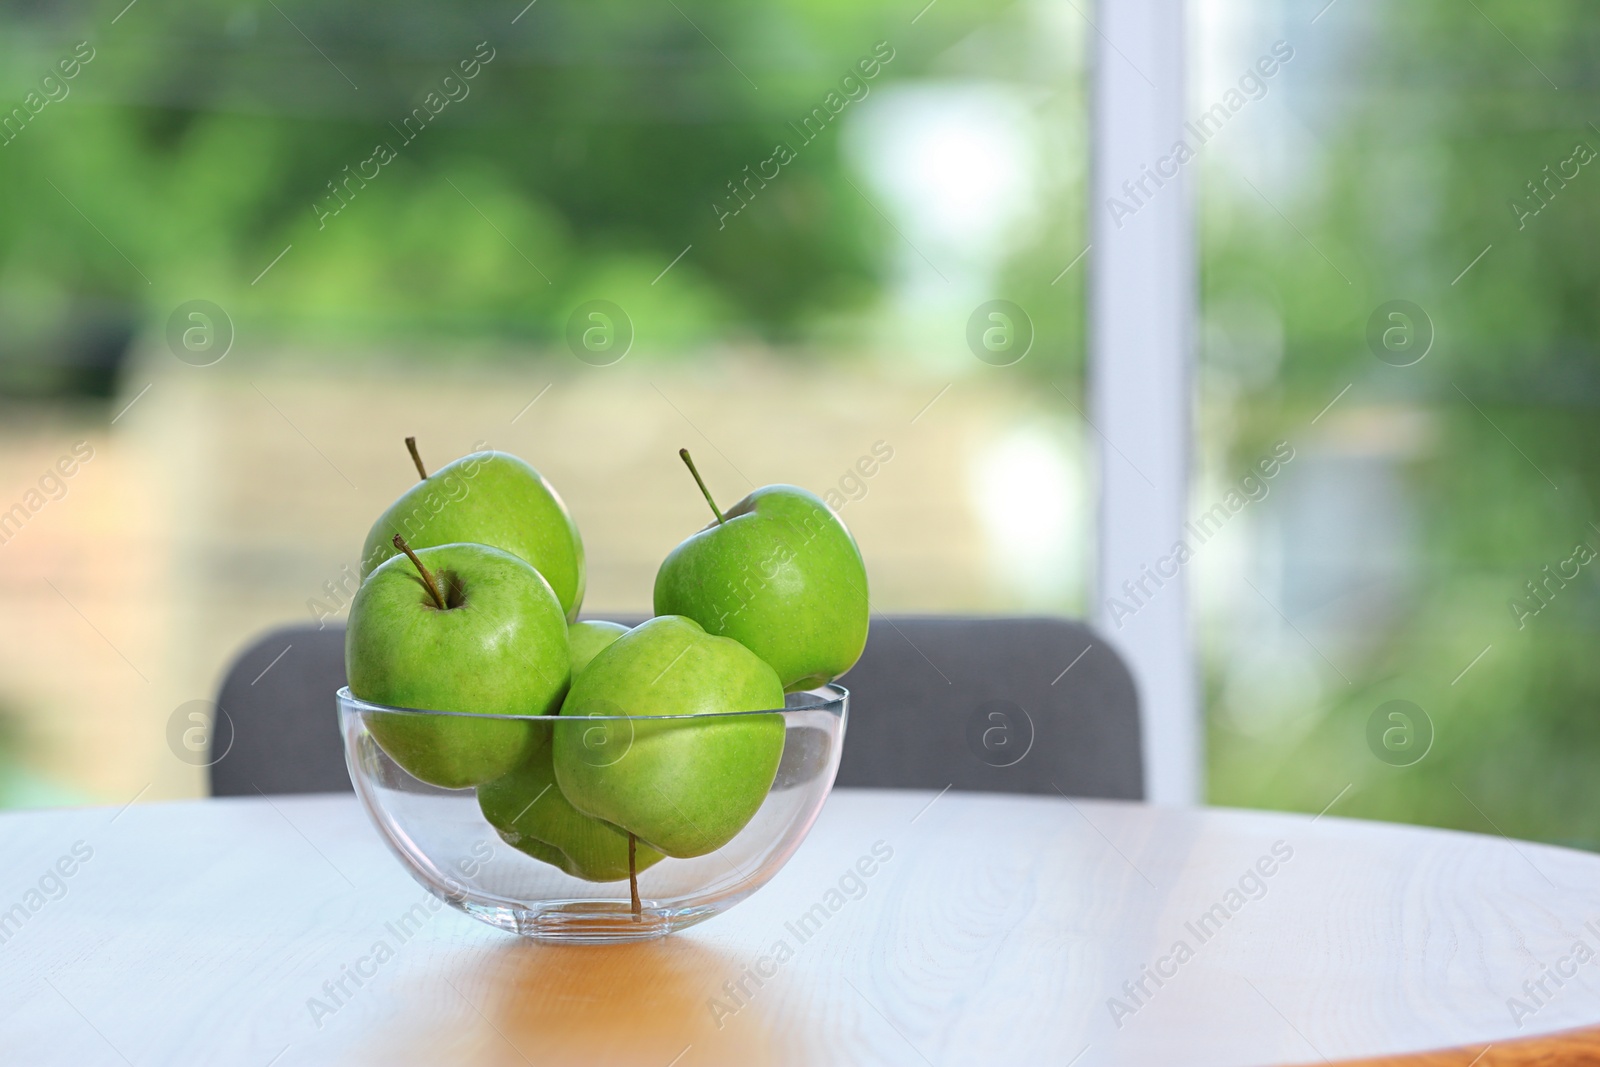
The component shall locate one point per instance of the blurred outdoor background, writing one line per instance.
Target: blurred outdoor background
(249, 247)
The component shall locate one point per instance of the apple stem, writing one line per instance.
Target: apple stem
(411, 445)
(427, 577)
(633, 877)
(684, 454)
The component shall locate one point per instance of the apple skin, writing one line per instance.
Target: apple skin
(686, 788)
(529, 812)
(500, 648)
(488, 498)
(783, 577)
(587, 638)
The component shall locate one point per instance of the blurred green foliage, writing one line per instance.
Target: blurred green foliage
(1442, 113)
(189, 152)
(586, 155)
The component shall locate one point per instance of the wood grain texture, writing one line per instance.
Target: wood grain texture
(1003, 930)
(1574, 1048)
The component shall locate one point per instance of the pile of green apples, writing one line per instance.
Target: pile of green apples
(471, 585)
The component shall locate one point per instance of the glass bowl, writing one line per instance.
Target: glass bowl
(444, 839)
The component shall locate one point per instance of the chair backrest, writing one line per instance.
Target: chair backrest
(1005, 705)
(278, 700)
(1029, 705)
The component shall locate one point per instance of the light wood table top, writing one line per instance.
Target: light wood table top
(993, 930)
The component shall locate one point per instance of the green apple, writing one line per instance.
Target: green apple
(456, 628)
(685, 787)
(780, 574)
(529, 812)
(587, 638)
(489, 498)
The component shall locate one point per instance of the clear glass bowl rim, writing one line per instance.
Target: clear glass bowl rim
(348, 701)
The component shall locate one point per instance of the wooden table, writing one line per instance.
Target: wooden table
(993, 930)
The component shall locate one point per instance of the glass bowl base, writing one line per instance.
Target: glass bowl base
(588, 922)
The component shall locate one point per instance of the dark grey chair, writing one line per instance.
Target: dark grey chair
(277, 727)
(1012, 705)
(1003, 705)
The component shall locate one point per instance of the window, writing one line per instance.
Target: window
(840, 246)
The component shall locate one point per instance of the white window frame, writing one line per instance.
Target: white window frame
(1143, 286)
